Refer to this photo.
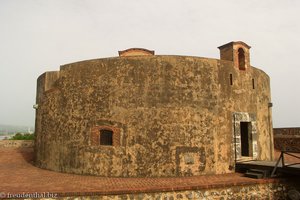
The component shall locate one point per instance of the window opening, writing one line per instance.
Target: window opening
(106, 137)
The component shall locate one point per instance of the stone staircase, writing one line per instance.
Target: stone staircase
(257, 173)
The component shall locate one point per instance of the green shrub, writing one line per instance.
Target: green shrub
(25, 136)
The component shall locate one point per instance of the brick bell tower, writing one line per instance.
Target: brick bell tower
(238, 52)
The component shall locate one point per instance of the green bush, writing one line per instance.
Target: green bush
(20, 136)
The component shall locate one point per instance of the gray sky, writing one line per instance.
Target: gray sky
(40, 35)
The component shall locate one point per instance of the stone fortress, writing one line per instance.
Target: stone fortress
(147, 115)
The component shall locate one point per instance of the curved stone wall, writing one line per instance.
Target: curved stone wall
(169, 115)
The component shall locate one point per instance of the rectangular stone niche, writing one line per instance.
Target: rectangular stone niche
(190, 161)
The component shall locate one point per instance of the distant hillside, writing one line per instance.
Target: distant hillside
(11, 129)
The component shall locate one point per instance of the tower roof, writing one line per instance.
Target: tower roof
(136, 52)
(233, 43)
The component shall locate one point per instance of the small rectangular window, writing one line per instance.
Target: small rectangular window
(253, 84)
(106, 137)
(230, 79)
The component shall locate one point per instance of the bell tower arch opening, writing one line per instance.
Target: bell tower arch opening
(241, 59)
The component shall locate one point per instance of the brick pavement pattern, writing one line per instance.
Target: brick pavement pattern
(287, 158)
(18, 174)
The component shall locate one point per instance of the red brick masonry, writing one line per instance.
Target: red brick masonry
(95, 135)
(17, 175)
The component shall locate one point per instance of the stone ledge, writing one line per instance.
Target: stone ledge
(16, 143)
(292, 131)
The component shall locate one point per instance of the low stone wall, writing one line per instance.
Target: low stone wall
(273, 191)
(287, 143)
(16, 143)
(286, 131)
(287, 139)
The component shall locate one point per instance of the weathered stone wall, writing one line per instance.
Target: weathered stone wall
(174, 116)
(287, 139)
(264, 191)
(293, 131)
(16, 143)
(273, 191)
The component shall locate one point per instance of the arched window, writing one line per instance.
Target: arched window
(106, 137)
(241, 59)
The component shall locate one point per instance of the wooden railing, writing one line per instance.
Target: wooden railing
(283, 164)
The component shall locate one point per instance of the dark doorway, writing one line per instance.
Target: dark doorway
(246, 139)
(106, 137)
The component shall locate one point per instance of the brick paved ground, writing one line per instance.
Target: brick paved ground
(287, 158)
(17, 175)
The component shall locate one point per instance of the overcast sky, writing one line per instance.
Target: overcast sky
(40, 35)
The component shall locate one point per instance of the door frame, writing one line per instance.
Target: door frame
(239, 117)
